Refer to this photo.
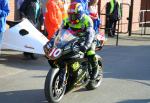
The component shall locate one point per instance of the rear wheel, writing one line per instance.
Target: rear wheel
(53, 92)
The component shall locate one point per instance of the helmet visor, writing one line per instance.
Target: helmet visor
(73, 16)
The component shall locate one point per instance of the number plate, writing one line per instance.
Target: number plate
(54, 53)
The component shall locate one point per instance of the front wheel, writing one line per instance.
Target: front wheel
(96, 83)
(53, 92)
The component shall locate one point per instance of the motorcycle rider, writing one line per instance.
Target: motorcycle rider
(81, 23)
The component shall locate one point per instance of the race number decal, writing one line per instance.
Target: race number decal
(54, 53)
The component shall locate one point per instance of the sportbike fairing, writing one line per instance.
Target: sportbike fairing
(63, 38)
(24, 37)
(61, 42)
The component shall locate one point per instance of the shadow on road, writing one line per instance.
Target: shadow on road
(126, 62)
(136, 101)
(81, 90)
(19, 62)
(23, 96)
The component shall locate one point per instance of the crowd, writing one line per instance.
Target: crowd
(44, 13)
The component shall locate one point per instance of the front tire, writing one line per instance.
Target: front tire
(53, 92)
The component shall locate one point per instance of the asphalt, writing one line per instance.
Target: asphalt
(126, 75)
(9, 58)
(13, 63)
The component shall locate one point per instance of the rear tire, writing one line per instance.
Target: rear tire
(52, 91)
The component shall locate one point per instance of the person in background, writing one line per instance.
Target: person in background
(54, 16)
(43, 6)
(84, 4)
(93, 13)
(63, 8)
(18, 15)
(42, 17)
(53, 12)
(113, 14)
(30, 9)
(4, 11)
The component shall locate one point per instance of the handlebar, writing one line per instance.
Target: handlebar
(75, 46)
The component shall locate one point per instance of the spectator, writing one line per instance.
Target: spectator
(31, 10)
(17, 13)
(61, 5)
(43, 6)
(93, 12)
(84, 4)
(42, 17)
(53, 17)
(4, 11)
(113, 14)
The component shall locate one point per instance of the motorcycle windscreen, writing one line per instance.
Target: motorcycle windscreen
(64, 37)
(24, 37)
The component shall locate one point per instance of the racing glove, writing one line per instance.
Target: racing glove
(83, 48)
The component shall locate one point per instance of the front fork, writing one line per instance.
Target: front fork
(63, 75)
(62, 70)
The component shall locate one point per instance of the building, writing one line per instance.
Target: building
(145, 12)
(12, 10)
(125, 14)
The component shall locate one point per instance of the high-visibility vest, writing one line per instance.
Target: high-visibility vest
(112, 6)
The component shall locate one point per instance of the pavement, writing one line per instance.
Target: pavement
(125, 40)
(126, 75)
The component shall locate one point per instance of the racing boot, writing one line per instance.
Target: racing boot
(94, 64)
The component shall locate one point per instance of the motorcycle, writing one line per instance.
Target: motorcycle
(65, 49)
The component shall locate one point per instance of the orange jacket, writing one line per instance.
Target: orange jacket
(53, 18)
(62, 5)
